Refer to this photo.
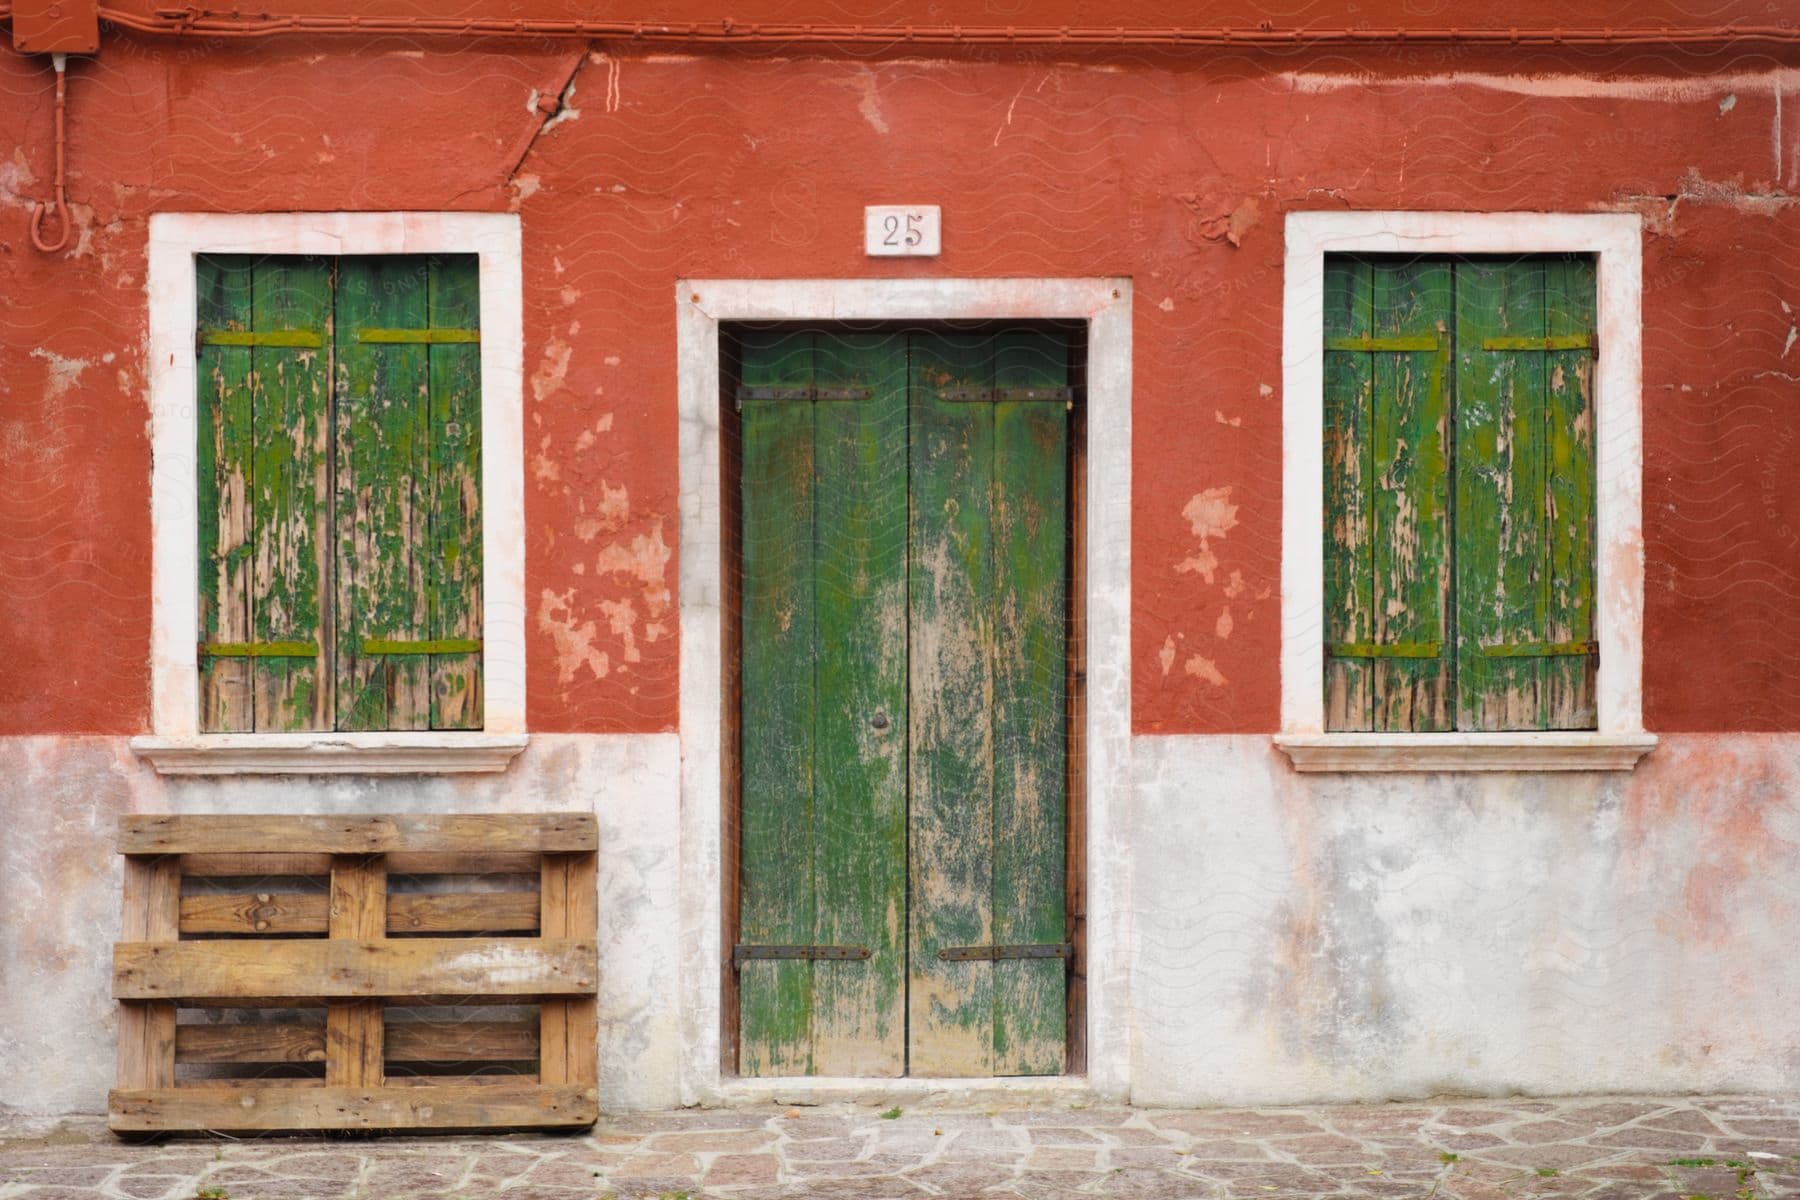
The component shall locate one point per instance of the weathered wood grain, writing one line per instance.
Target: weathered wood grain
(950, 1005)
(290, 501)
(858, 571)
(258, 1042)
(1349, 493)
(453, 569)
(779, 622)
(1500, 492)
(280, 1107)
(1571, 477)
(223, 489)
(1029, 531)
(1410, 500)
(464, 833)
(353, 1028)
(404, 1041)
(149, 912)
(274, 913)
(226, 969)
(382, 515)
(274, 865)
(568, 1030)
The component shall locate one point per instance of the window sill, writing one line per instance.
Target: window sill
(1554, 751)
(435, 753)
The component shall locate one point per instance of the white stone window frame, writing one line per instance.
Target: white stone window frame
(176, 744)
(1616, 241)
(1105, 305)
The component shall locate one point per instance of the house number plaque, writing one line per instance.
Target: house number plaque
(902, 231)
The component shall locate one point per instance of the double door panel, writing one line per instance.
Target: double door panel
(904, 557)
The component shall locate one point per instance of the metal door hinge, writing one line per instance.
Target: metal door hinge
(741, 953)
(994, 953)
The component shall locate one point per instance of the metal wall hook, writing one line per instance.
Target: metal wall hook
(60, 204)
(37, 221)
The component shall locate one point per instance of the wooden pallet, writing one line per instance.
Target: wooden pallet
(392, 972)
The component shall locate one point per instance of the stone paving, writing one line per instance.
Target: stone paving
(1723, 1148)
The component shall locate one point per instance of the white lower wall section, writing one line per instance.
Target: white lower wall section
(1281, 938)
(60, 799)
(1376, 937)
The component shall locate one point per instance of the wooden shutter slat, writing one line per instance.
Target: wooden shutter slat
(778, 615)
(383, 496)
(1500, 496)
(1409, 477)
(1030, 638)
(1568, 683)
(1349, 562)
(290, 504)
(223, 481)
(453, 567)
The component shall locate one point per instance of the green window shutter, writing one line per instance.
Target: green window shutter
(264, 399)
(408, 519)
(1387, 491)
(1525, 495)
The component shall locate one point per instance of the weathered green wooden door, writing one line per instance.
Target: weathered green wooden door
(904, 607)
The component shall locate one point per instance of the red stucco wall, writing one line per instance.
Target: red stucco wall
(1175, 171)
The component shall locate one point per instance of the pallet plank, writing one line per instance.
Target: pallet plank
(444, 1106)
(568, 1029)
(261, 1042)
(353, 1029)
(225, 970)
(251, 833)
(405, 1041)
(279, 864)
(415, 912)
(150, 910)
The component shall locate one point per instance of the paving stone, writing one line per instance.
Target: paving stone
(1640, 1137)
(1085, 1118)
(1126, 1135)
(1534, 1132)
(1320, 1148)
(1226, 1148)
(1062, 1137)
(1238, 1124)
(850, 1169)
(823, 1149)
(1062, 1158)
(659, 1166)
(810, 1126)
(1599, 1149)
(1475, 1118)
(728, 1170)
(960, 1178)
(723, 1140)
(1614, 1112)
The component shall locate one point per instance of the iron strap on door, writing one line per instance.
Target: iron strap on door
(742, 953)
(803, 393)
(1007, 395)
(1064, 950)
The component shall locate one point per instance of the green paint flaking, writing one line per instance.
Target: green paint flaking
(1519, 571)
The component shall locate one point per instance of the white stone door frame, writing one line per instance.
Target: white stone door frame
(1105, 305)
